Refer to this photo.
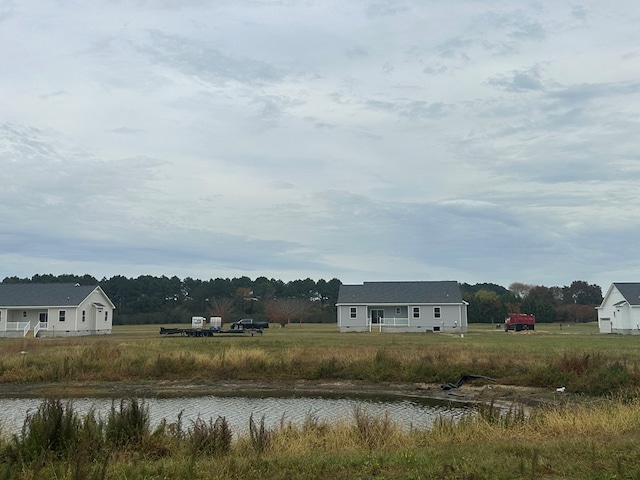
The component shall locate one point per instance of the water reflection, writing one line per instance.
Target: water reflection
(419, 414)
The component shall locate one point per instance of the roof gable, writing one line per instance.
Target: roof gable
(401, 292)
(630, 292)
(44, 294)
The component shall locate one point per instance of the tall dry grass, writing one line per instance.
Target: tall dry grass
(583, 362)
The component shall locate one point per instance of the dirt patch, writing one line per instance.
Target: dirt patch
(467, 393)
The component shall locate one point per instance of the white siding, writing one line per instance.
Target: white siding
(453, 318)
(348, 324)
(615, 315)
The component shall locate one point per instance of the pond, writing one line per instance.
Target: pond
(408, 413)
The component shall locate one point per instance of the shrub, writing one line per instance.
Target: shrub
(373, 431)
(506, 418)
(129, 425)
(611, 378)
(210, 437)
(328, 368)
(52, 430)
(260, 436)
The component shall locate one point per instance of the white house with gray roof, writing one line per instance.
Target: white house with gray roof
(54, 309)
(619, 311)
(434, 306)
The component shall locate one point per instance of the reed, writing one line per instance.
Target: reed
(209, 438)
(596, 442)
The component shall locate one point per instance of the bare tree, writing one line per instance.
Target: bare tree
(223, 307)
(283, 310)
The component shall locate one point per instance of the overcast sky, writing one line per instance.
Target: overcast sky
(477, 141)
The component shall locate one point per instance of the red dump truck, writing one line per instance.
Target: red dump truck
(519, 322)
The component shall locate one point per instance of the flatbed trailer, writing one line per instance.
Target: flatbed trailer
(213, 332)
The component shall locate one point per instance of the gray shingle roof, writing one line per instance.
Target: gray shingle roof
(400, 293)
(43, 294)
(630, 292)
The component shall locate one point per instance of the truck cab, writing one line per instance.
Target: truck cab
(249, 323)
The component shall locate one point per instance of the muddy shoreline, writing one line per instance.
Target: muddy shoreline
(467, 393)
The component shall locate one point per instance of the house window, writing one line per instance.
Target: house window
(0, 315)
(24, 314)
(84, 315)
(397, 310)
(106, 315)
(436, 312)
(416, 312)
(62, 315)
(353, 312)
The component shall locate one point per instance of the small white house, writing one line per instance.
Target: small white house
(54, 309)
(402, 307)
(620, 309)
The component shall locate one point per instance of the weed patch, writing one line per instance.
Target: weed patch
(210, 438)
(129, 425)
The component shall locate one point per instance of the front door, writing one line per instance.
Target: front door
(43, 317)
(377, 316)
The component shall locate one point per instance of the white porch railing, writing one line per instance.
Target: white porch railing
(389, 322)
(395, 322)
(17, 326)
(40, 326)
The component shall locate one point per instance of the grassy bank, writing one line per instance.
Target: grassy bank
(586, 441)
(574, 356)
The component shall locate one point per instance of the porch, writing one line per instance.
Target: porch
(16, 329)
(387, 323)
(44, 326)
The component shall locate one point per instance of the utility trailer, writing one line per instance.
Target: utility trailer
(198, 329)
(205, 332)
(519, 322)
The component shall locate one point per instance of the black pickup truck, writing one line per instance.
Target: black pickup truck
(249, 323)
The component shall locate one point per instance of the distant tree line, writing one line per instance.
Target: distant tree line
(490, 303)
(148, 299)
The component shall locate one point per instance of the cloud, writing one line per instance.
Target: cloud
(7, 9)
(519, 80)
(409, 109)
(589, 91)
(126, 131)
(377, 8)
(357, 52)
(580, 12)
(517, 24)
(474, 141)
(419, 109)
(199, 59)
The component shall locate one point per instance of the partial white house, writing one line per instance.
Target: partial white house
(620, 309)
(54, 309)
(402, 307)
